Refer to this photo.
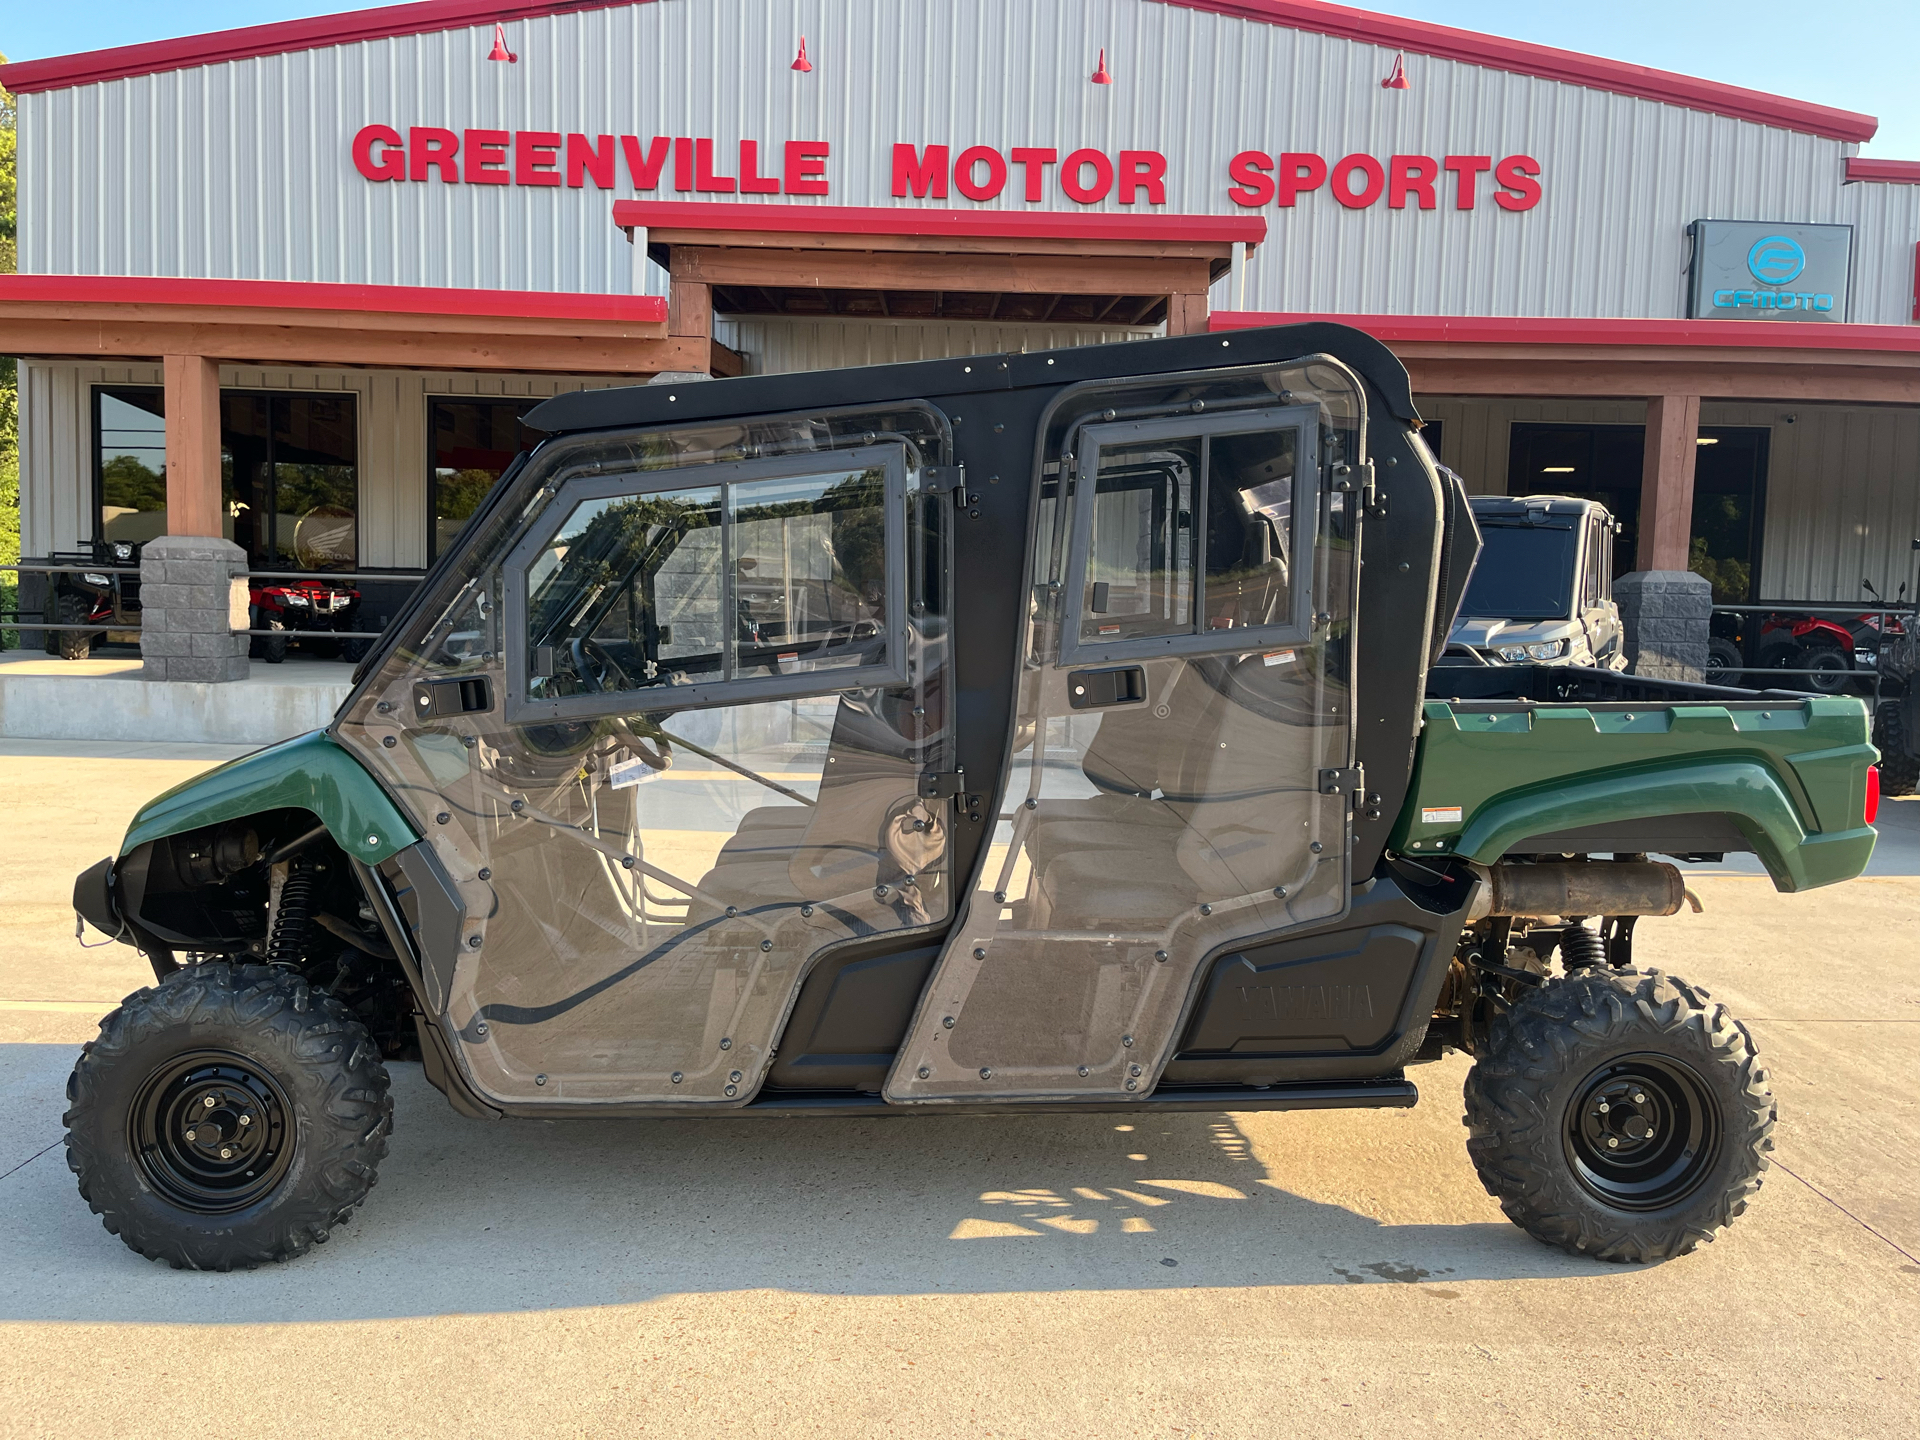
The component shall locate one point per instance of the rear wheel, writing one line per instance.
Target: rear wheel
(1899, 769)
(273, 648)
(1621, 1115)
(1723, 663)
(229, 1116)
(1832, 669)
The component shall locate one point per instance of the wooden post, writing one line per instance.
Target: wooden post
(1187, 314)
(1666, 485)
(194, 505)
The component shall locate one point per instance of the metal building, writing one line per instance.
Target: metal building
(1693, 299)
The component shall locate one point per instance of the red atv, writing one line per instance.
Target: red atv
(310, 612)
(1835, 649)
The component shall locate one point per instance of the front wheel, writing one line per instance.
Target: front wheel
(72, 644)
(229, 1116)
(1620, 1114)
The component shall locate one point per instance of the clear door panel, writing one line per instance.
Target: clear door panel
(1179, 700)
(716, 683)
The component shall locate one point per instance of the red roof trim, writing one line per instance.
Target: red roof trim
(304, 295)
(939, 224)
(1443, 41)
(423, 17)
(1452, 329)
(1894, 172)
(1547, 63)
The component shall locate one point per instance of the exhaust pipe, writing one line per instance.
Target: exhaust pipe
(1579, 888)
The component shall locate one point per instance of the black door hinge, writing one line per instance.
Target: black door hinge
(942, 784)
(1350, 781)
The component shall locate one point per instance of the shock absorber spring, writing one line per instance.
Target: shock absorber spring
(293, 919)
(1581, 948)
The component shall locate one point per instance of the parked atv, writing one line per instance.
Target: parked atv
(1543, 588)
(308, 612)
(101, 597)
(1168, 809)
(1896, 719)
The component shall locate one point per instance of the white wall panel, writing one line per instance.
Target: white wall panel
(243, 169)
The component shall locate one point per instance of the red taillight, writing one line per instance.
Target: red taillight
(1873, 793)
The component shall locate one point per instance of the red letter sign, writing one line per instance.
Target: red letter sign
(1102, 177)
(392, 164)
(924, 174)
(1143, 170)
(807, 167)
(487, 157)
(432, 148)
(1034, 163)
(1468, 168)
(1254, 172)
(645, 168)
(1513, 173)
(1343, 174)
(1300, 172)
(536, 157)
(595, 160)
(963, 169)
(1412, 175)
(752, 182)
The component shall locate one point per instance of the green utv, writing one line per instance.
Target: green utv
(1024, 732)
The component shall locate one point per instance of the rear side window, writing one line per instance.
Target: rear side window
(757, 580)
(1189, 543)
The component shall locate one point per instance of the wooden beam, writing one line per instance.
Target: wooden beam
(286, 343)
(723, 363)
(976, 274)
(1666, 483)
(1613, 378)
(193, 446)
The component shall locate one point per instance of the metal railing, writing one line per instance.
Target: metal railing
(30, 620)
(1789, 611)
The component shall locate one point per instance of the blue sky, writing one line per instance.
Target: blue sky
(1856, 54)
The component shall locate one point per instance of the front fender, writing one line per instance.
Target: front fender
(308, 773)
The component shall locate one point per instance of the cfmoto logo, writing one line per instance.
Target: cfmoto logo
(1776, 260)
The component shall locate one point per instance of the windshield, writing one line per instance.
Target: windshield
(1525, 572)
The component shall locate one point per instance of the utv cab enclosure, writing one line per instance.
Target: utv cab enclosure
(1543, 588)
(1042, 731)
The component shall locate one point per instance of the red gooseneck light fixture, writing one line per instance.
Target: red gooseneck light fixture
(1398, 79)
(1102, 76)
(500, 51)
(800, 62)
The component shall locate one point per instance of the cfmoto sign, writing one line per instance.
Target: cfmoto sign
(1750, 270)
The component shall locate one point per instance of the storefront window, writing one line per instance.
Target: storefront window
(473, 442)
(1606, 463)
(290, 478)
(130, 462)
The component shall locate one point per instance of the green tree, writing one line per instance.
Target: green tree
(9, 383)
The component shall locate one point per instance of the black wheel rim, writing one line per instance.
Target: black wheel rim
(1642, 1133)
(211, 1132)
(1832, 672)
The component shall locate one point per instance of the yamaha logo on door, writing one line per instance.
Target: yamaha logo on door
(1763, 270)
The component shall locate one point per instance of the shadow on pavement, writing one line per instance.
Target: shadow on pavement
(472, 1216)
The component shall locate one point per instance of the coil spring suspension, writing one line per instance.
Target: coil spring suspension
(293, 920)
(1581, 948)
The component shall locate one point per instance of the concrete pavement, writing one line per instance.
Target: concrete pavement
(1234, 1275)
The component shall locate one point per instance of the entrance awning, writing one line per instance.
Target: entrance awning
(1096, 267)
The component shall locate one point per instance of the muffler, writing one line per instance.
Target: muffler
(1592, 887)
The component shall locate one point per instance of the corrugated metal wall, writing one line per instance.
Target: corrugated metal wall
(243, 169)
(1843, 481)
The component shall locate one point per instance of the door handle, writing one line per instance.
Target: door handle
(1099, 689)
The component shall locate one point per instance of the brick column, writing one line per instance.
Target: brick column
(193, 596)
(193, 446)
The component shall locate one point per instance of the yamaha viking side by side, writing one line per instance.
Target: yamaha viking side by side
(1048, 732)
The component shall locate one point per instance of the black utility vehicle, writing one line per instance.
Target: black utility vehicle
(82, 596)
(1047, 731)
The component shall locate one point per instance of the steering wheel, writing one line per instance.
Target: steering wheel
(596, 669)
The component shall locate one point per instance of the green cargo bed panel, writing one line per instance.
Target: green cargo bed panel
(1791, 776)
